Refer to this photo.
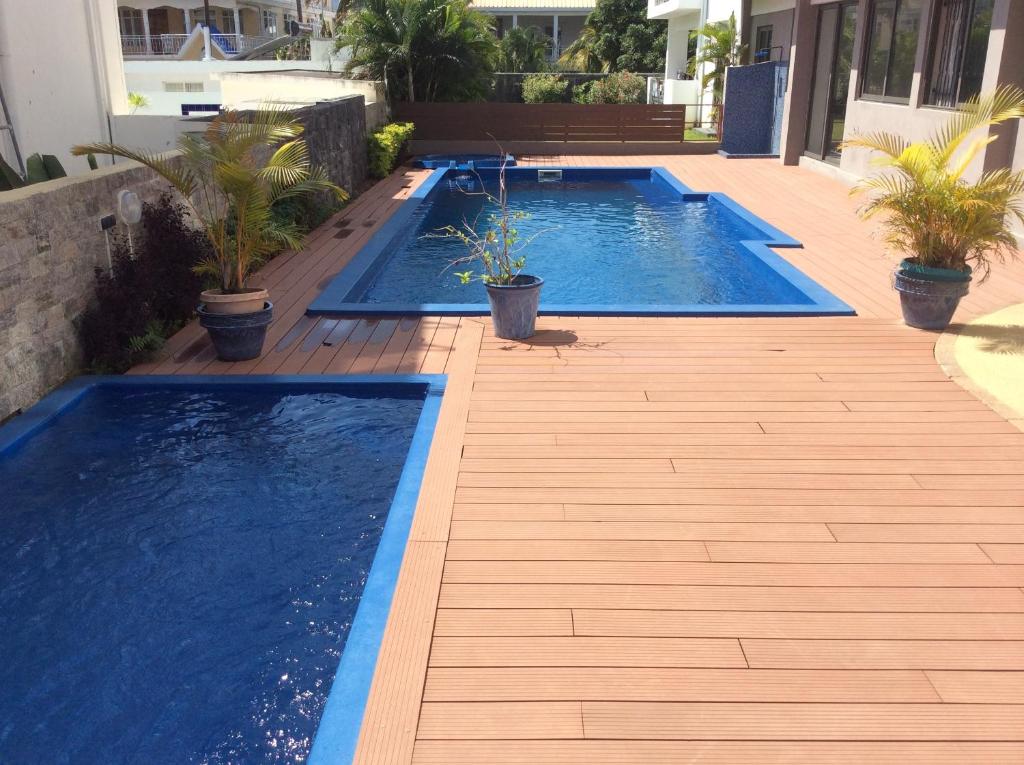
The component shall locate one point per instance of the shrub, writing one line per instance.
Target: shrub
(146, 297)
(544, 89)
(617, 88)
(385, 146)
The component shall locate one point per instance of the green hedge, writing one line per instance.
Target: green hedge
(544, 89)
(385, 146)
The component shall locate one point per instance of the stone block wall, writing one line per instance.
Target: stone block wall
(51, 244)
(336, 135)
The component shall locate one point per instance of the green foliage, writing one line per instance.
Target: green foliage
(544, 89)
(931, 212)
(581, 55)
(616, 88)
(523, 49)
(137, 101)
(232, 192)
(721, 49)
(385, 146)
(423, 50)
(9, 178)
(498, 247)
(624, 39)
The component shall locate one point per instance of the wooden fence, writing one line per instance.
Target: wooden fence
(545, 122)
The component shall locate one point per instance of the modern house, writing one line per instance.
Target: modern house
(893, 65)
(561, 20)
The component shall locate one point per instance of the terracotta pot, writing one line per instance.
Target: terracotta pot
(248, 300)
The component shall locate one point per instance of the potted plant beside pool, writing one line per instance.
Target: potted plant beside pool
(514, 297)
(230, 177)
(948, 228)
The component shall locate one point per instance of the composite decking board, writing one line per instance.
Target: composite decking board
(763, 441)
(733, 573)
(594, 683)
(960, 687)
(813, 598)
(884, 654)
(797, 626)
(640, 752)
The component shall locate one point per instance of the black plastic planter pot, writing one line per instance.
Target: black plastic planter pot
(929, 296)
(237, 336)
(514, 307)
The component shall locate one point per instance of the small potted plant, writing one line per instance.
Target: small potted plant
(949, 229)
(514, 296)
(230, 177)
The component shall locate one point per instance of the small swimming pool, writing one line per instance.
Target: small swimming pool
(611, 241)
(185, 560)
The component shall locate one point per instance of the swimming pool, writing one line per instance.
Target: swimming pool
(611, 241)
(184, 559)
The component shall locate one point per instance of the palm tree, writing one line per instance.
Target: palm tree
(720, 48)
(421, 49)
(932, 213)
(523, 49)
(580, 56)
(231, 192)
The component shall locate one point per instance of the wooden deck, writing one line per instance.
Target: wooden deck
(690, 540)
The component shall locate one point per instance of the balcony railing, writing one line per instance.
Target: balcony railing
(171, 45)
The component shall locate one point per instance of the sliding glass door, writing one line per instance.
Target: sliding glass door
(837, 25)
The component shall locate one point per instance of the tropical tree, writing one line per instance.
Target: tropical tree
(932, 213)
(231, 190)
(625, 39)
(581, 55)
(422, 50)
(523, 49)
(720, 48)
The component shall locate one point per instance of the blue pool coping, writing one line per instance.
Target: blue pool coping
(340, 296)
(338, 731)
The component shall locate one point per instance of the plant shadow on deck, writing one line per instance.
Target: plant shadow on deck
(1006, 340)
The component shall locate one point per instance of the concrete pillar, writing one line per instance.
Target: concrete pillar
(238, 23)
(188, 22)
(515, 21)
(1004, 65)
(207, 52)
(554, 34)
(801, 75)
(145, 31)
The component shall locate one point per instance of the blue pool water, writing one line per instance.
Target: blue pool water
(614, 241)
(179, 569)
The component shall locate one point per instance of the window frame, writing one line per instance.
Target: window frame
(770, 29)
(933, 46)
(865, 55)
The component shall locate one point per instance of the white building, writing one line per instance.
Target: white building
(561, 20)
(61, 79)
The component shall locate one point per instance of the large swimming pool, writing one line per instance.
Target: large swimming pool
(608, 241)
(182, 563)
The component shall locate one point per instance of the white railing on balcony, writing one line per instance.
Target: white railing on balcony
(171, 45)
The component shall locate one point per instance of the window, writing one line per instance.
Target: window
(763, 43)
(130, 20)
(269, 22)
(957, 52)
(183, 87)
(227, 23)
(891, 47)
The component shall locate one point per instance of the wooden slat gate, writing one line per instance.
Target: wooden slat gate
(545, 122)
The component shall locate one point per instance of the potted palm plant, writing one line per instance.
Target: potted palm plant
(514, 297)
(948, 228)
(230, 177)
